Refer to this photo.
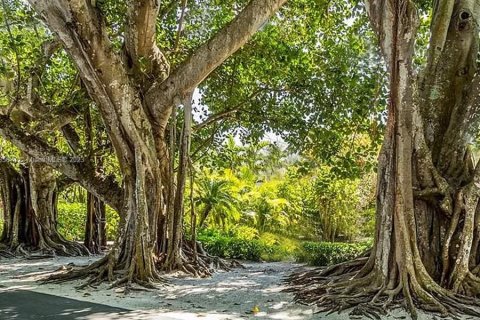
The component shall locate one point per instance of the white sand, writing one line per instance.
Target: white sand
(226, 295)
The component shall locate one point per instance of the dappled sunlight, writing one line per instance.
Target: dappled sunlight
(226, 295)
(234, 294)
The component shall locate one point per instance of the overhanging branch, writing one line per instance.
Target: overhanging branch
(79, 26)
(84, 173)
(209, 56)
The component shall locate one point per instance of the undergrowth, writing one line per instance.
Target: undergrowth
(246, 243)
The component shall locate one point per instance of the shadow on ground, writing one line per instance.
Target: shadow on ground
(230, 295)
(19, 305)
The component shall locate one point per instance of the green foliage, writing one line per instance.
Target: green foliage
(245, 233)
(71, 220)
(278, 248)
(230, 247)
(216, 202)
(273, 191)
(245, 244)
(312, 77)
(19, 47)
(328, 253)
(113, 219)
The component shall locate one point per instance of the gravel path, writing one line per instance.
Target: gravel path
(226, 295)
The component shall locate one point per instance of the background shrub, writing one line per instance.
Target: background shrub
(244, 243)
(112, 223)
(230, 247)
(71, 220)
(72, 217)
(328, 253)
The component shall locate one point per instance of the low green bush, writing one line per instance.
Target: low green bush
(328, 253)
(229, 247)
(247, 245)
(278, 248)
(244, 233)
(71, 220)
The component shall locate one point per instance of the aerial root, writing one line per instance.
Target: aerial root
(63, 274)
(125, 273)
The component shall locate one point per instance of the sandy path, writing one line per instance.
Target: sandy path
(226, 295)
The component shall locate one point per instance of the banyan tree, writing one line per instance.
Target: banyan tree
(426, 251)
(136, 93)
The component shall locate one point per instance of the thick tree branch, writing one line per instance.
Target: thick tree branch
(393, 39)
(439, 28)
(104, 188)
(141, 30)
(143, 55)
(209, 56)
(78, 25)
(80, 28)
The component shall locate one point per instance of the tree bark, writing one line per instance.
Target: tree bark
(13, 190)
(82, 171)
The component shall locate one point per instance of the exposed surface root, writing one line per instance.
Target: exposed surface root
(338, 288)
(105, 269)
(126, 274)
(46, 249)
(199, 263)
(6, 254)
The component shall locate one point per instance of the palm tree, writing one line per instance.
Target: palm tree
(215, 198)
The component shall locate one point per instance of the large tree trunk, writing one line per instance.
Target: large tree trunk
(29, 208)
(427, 229)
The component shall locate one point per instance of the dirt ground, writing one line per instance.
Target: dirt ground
(226, 295)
